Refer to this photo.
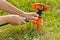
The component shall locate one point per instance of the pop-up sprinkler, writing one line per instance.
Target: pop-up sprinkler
(40, 7)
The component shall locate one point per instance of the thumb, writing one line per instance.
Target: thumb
(35, 15)
(35, 18)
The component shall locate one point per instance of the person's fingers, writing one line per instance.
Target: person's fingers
(21, 20)
(35, 15)
(31, 17)
(16, 20)
(14, 23)
(34, 18)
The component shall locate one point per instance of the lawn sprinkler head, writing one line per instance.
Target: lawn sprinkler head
(40, 6)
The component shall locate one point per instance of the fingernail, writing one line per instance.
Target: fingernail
(24, 18)
(35, 17)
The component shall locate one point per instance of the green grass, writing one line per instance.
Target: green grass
(51, 25)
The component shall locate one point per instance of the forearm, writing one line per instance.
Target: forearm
(2, 19)
(6, 6)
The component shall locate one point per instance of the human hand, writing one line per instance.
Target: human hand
(31, 15)
(15, 19)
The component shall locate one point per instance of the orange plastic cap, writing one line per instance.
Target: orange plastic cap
(37, 6)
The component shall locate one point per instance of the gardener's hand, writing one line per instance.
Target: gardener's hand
(15, 19)
(31, 15)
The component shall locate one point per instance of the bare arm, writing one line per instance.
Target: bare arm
(6, 6)
(2, 19)
(12, 19)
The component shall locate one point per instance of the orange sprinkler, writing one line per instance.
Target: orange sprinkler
(39, 7)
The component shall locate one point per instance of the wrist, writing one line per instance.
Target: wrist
(20, 13)
(3, 19)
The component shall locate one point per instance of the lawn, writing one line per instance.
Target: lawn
(51, 22)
